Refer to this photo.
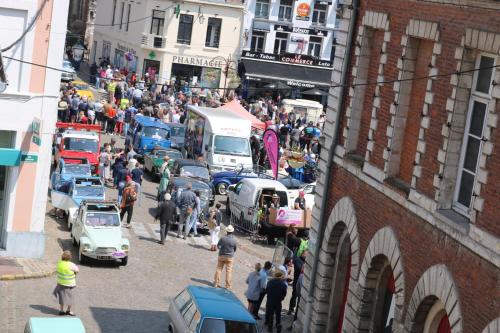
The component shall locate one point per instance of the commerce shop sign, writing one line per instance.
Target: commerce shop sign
(197, 61)
(288, 58)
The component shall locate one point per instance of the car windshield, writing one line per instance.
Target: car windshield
(156, 133)
(211, 325)
(178, 131)
(81, 86)
(67, 64)
(89, 191)
(195, 171)
(230, 145)
(99, 219)
(81, 144)
(77, 169)
(171, 154)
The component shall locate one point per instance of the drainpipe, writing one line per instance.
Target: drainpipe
(331, 153)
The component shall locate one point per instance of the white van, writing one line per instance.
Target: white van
(311, 109)
(245, 198)
(221, 136)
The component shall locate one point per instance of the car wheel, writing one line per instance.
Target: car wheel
(221, 188)
(75, 244)
(228, 209)
(81, 258)
(124, 261)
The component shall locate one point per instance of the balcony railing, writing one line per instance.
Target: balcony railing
(150, 41)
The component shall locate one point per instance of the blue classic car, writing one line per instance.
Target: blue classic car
(68, 194)
(64, 172)
(222, 180)
(148, 133)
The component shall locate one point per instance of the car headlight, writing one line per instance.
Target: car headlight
(124, 247)
(86, 247)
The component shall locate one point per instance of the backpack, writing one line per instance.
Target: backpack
(304, 243)
(130, 197)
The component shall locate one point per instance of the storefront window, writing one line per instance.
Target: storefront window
(213, 32)
(125, 60)
(6, 141)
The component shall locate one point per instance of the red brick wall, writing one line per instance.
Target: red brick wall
(422, 246)
(453, 21)
(376, 46)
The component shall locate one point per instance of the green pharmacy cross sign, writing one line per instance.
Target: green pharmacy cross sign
(152, 55)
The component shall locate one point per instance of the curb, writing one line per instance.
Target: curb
(12, 277)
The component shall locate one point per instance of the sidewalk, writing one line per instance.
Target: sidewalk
(22, 268)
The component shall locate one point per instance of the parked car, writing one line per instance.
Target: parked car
(148, 133)
(83, 89)
(97, 232)
(54, 325)
(177, 135)
(153, 160)
(69, 73)
(68, 195)
(207, 309)
(66, 171)
(294, 186)
(222, 180)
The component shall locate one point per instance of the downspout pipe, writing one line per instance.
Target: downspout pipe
(331, 153)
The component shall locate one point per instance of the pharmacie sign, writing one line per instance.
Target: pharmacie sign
(197, 61)
(288, 58)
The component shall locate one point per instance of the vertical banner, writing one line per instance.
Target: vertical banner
(271, 143)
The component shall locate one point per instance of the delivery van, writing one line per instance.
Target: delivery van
(311, 109)
(220, 136)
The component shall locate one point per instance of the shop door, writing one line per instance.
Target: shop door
(3, 180)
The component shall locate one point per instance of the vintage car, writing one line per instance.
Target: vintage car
(74, 142)
(83, 89)
(154, 159)
(207, 309)
(179, 184)
(221, 180)
(147, 133)
(67, 171)
(67, 195)
(177, 135)
(192, 169)
(97, 232)
(54, 325)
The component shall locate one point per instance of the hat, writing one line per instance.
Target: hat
(128, 179)
(167, 196)
(278, 274)
(301, 192)
(275, 196)
(229, 229)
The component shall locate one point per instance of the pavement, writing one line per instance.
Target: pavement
(134, 298)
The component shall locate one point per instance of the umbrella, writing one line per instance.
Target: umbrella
(315, 91)
(277, 85)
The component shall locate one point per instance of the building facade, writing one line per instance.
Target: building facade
(406, 232)
(28, 115)
(290, 41)
(192, 41)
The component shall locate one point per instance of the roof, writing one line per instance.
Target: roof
(219, 303)
(265, 183)
(236, 107)
(80, 134)
(198, 184)
(223, 120)
(56, 325)
(150, 121)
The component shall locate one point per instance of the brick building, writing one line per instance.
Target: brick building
(406, 228)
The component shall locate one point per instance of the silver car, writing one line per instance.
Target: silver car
(69, 73)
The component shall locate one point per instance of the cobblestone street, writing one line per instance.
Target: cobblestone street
(132, 298)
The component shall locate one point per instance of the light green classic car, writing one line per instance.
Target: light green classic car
(97, 232)
(54, 325)
(154, 159)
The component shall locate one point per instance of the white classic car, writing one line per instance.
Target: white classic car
(97, 232)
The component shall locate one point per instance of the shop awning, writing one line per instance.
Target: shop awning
(292, 75)
(10, 157)
(236, 107)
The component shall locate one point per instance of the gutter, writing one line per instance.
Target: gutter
(331, 153)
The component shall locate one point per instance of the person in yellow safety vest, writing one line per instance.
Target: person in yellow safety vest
(66, 283)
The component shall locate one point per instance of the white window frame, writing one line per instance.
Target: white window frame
(258, 37)
(259, 4)
(285, 7)
(319, 11)
(312, 45)
(281, 40)
(480, 97)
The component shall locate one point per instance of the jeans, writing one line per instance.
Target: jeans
(121, 186)
(228, 263)
(125, 128)
(164, 228)
(258, 304)
(293, 299)
(97, 82)
(183, 220)
(273, 310)
(129, 210)
(192, 224)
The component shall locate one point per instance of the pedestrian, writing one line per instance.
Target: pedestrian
(166, 213)
(276, 293)
(66, 283)
(227, 247)
(164, 178)
(264, 274)
(105, 163)
(137, 176)
(122, 179)
(128, 200)
(298, 263)
(301, 200)
(254, 288)
(214, 226)
(292, 241)
(186, 203)
(194, 216)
